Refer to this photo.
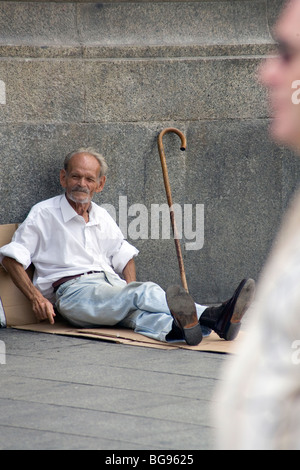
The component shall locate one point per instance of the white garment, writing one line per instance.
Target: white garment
(259, 398)
(60, 243)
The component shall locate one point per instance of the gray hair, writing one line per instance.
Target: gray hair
(90, 151)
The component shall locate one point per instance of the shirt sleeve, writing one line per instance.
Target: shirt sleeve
(124, 254)
(23, 244)
(119, 250)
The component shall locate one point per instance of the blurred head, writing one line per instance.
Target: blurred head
(280, 74)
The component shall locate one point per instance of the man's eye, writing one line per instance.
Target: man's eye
(286, 54)
(286, 57)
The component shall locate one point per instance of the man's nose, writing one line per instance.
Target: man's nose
(82, 181)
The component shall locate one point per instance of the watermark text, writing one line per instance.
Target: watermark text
(2, 353)
(296, 93)
(296, 354)
(2, 92)
(138, 222)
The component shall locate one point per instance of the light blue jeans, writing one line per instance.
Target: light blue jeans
(95, 300)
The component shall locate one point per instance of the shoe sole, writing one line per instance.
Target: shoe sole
(183, 310)
(242, 301)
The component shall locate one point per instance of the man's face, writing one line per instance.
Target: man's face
(82, 179)
(279, 75)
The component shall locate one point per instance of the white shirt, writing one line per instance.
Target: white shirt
(60, 243)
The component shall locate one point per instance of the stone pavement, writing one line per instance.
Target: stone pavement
(72, 393)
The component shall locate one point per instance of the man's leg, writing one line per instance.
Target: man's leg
(226, 319)
(105, 300)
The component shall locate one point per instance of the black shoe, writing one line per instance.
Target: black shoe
(183, 310)
(225, 319)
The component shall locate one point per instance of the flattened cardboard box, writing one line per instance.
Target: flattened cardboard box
(16, 312)
(17, 308)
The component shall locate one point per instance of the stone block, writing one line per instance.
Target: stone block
(38, 23)
(42, 91)
(165, 23)
(97, 90)
(173, 89)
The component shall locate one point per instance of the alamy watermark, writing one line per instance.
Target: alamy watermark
(296, 93)
(2, 353)
(296, 354)
(2, 92)
(137, 222)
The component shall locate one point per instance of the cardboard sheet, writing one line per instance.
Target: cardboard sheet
(15, 312)
(212, 343)
(16, 307)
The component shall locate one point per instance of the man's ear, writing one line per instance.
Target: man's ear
(101, 184)
(62, 178)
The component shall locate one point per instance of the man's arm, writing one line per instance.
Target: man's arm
(129, 272)
(41, 307)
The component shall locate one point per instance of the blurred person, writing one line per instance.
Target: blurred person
(259, 401)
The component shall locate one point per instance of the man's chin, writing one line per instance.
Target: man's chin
(78, 200)
(283, 134)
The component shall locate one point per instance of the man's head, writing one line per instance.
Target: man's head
(83, 175)
(280, 73)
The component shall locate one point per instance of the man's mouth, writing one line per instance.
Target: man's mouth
(80, 190)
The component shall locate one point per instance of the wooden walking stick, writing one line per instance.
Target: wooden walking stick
(169, 196)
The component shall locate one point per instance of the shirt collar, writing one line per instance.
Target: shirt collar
(67, 210)
(69, 213)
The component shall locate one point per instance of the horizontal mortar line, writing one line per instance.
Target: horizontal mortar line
(117, 413)
(162, 59)
(124, 123)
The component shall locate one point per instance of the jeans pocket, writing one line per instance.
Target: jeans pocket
(60, 291)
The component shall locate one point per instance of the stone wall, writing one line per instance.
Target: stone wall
(113, 75)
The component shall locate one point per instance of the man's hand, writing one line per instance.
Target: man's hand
(42, 308)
